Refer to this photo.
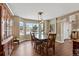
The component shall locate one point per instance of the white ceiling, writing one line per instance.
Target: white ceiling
(51, 10)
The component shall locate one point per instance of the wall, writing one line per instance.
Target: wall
(75, 19)
(16, 26)
(53, 23)
(58, 23)
(47, 26)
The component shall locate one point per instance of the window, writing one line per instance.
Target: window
(7, 28)
(31, 27)
(21, 26)
(28, 28)
(11, 25)
(6, 24)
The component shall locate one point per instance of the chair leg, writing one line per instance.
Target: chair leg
(18, 43)
(47, 51)
(42, 49)
(74, 52)
(35, 46)
(53, 49)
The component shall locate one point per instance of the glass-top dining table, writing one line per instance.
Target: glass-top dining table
(41, 36)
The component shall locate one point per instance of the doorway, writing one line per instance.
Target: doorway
(65, 30)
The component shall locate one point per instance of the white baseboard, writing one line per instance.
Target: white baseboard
(59, 41)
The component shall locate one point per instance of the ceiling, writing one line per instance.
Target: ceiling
(50, 10)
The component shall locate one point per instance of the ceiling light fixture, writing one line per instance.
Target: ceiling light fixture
(40, 17)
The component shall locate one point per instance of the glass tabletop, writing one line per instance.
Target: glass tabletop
(41, 36)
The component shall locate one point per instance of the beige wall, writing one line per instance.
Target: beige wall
(58, 30)
(16, 26)
(47, 26)
(53, 23)
(75, 24)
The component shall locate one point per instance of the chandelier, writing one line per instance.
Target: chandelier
(40, 17)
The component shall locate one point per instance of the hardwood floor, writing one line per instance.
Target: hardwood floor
(64, 49)
(61, 49)
(24, 49)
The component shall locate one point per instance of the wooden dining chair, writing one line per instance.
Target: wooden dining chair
(15, 41)
(75, 39)
(36, 43)
(49, 44)
(32, 38)
(32, 34)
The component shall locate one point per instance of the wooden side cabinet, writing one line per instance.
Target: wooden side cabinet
(2, 51)
(6, 38)
(1, 46)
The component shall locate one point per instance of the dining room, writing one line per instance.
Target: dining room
(36, 29)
